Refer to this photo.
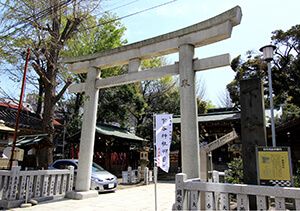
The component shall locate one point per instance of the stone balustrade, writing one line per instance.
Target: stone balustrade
(17, 187)
(221, 196)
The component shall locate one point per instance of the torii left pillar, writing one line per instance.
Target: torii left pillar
(82, 187)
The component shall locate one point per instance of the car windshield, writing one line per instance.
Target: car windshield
(97, 168)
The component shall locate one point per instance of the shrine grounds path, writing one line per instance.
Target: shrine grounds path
(129, 197)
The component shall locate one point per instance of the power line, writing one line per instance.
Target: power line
(120, 6)
(115, 3)
(47, 11)
(129, 15)
(115, 8)
(37, 16)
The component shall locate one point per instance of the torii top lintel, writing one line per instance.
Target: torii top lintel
(206, 32)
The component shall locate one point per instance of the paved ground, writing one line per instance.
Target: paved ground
(126, 198)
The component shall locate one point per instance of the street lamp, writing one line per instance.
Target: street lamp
(268, 57)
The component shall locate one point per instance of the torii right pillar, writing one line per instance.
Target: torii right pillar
(188, 110)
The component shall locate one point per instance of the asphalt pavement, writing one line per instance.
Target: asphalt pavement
(130, 197)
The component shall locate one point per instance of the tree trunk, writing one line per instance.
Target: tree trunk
(40, 98)
(78, 103)
(46, 156)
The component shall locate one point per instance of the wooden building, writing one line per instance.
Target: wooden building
(30, 136)
(288, 134)
(29, 122)
(6, 135)
(115, 148)
(213, 125)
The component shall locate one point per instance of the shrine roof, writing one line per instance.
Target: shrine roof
(214, 117)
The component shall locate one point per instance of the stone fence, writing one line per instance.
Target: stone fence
(222, 196)
(17, 187)
(133, 176)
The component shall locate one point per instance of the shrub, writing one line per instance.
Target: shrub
(296, 177)
(234, 174)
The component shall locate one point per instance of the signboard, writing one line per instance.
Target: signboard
(274, 166)
(220, 142)
(163, 138)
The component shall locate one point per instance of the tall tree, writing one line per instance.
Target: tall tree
(108, 35)
(285, 71)
(244, 69)
(45, 26)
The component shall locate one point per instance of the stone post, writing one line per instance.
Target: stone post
(203, 165)
(139, 172)
(188, 109)
(253, 129)
(134, 65)
(129, 170)
(83, 179)
(146, 176)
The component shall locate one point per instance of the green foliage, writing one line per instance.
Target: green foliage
(234, 174)
(46, 27)
(154, 62)
(108, 35)
(203, 106)
(251, 68)
(290, 112)
(119, 104)
(135, 104)
(287, 65)
(296, 177)
(285, 71)
(112, 101)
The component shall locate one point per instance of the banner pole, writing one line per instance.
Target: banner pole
(155, 162)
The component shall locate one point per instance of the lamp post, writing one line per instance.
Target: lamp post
(268, 57)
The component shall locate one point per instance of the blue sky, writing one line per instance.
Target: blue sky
(260, 18)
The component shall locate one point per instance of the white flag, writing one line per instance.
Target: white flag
(163, 137)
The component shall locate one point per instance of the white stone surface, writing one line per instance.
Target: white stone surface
(154, 73)
(83, 179)
(184, 41)
(82, 194)
(241, 190)
(188, 111)
(206, 32)
(133, 199)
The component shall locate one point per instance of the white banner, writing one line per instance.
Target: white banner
(163, 128)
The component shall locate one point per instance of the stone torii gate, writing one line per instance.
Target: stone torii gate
(183, 41)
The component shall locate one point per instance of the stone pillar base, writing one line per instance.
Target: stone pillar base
(79, 195)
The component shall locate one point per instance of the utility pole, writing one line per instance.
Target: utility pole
(19, 109)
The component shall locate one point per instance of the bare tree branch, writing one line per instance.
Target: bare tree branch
(62, 91)
(40, 72)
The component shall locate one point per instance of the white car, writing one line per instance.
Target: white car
(101, 180)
